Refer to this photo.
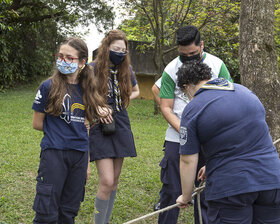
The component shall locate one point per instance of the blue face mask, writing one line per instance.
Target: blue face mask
(116, 57)
(65, 68)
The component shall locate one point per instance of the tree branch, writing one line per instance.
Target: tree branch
(35, 19)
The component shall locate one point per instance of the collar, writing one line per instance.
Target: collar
(218, 84)
(203, 56)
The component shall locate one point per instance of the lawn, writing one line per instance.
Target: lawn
(19, 159)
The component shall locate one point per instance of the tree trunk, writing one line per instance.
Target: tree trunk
(258, 59)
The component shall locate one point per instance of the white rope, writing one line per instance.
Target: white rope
(275, 142)
(196, 191)
(199, 204)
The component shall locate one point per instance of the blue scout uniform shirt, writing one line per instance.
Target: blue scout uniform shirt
(66, 131)
(229, 127)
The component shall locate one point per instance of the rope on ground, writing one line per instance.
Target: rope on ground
(196, 191)
(275, 142)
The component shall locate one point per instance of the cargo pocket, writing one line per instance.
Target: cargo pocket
(213, 214)
(163, 173)
(43, 198)
(83, 192)
(277, 197)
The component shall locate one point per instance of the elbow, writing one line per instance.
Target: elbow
(189, 160)
(164, 109)
(155, 91)
(37, 126)
(137, 93)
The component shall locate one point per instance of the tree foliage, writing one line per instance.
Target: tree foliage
(31, 29)
(156, 21)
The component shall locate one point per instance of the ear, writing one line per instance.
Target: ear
(202, 45)
(82, 63)
(185, 86)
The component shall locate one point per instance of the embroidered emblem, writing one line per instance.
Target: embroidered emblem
(38, 95)
(183, 135)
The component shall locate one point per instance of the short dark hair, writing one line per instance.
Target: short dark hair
(192, 72)
(187, 35)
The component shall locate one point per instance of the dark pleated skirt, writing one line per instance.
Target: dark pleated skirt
(118, 145)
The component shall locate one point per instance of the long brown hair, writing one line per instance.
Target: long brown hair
(86, 80)
(103, 63)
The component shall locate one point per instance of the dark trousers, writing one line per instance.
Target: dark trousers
(60, 186)
(171, 183)
(261, 207)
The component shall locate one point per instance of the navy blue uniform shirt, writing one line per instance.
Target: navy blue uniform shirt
(68, 130)
(230, 127)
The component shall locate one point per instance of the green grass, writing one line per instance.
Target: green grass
(19, 160)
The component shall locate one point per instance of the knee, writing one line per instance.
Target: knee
(106, 185)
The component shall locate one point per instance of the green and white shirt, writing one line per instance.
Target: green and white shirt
(170, 90)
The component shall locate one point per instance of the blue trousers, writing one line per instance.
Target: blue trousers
(261, 207)
(171, 182)
(60, 186)
(171, 185)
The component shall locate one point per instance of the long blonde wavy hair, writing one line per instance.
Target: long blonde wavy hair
(103, 64)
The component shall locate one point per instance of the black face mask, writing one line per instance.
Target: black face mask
(184, 58)
(116, 57)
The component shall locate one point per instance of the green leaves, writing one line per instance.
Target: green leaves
(156, 21)
(30, 31)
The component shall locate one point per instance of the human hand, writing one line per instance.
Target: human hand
(201, 174)
(183, 201)
(106, 115)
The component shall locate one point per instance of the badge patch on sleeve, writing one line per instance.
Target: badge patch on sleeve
(183, 135)
(38, 97)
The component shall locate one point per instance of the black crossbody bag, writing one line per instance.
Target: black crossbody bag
(108, 129)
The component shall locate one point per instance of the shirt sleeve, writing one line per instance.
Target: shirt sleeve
(224, 73)
(189, 142)
(158, 83)
(133, 78)
(40, 101)
(167, 88)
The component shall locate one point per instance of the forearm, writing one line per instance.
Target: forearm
(38, 120)
(171, 118)
(134, 94)
(188, 172)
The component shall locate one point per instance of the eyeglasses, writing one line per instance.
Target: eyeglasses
(67, 59)
(118, 49)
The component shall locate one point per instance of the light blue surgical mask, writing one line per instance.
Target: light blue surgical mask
(66, 68)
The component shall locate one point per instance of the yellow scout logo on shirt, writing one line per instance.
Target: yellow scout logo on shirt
(68, 110)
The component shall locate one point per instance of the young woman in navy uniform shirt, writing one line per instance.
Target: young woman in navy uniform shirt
(61, 106)
(117, 82)
(226, 122)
